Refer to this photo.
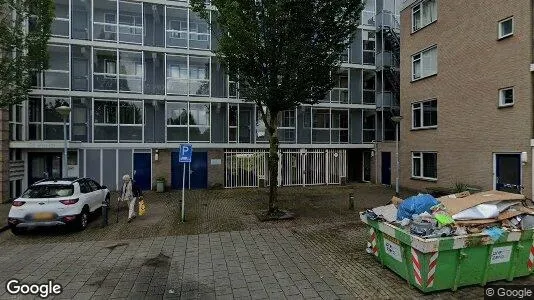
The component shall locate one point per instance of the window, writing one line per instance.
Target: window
(199, 32)
(57, 75)
(177, 121)
(130, 71)
(330, 125)
(425, 63)
(130, 121)
(199, 79)
(506, 27)
(199, 122)
(52, 120)
(15, 122)
(506, 97)
(60, 24)
(105, 70)
(340, 93)
(425, 114)
(105, 114)
(104, 20)
(423, 14)
(176, 27)
(84, 187)
(130, 22)
(286, 126)
(369, 38)
(424, 165)
(177, 75)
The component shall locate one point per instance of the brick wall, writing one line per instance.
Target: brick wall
(4, 155)
(472, 66)
(162, 167)
(216, 171)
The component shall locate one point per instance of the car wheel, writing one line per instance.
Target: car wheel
(16, 231)
(83, 219)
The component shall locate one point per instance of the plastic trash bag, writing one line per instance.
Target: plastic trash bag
(481, 211)
(142, 207)
(415, 205)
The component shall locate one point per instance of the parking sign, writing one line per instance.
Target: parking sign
(186, 151)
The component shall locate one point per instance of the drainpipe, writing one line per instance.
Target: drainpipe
(375, 148)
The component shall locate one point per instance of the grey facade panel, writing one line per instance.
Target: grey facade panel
(355, 130)
(81, 163)
(356, 48)
(159, 133)
(125, 163)
(304, 125)
(109, 173)
(93, 164)
(218, 79)
(219, 123)
(154, 23)
(149, 122)
(154, 73)
(355, 86)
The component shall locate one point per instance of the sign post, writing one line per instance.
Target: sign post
(186, 151)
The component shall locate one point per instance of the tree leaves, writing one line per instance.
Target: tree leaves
(24, 32)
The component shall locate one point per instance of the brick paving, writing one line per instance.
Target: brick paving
(221, 252)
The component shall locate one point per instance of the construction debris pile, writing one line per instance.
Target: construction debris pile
(490, 213)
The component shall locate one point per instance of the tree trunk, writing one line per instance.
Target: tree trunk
(273, 164)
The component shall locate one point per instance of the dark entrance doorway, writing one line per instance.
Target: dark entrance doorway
(43, 165)
(196, 173)
(386, 168)
(508, 172)
(142, 170)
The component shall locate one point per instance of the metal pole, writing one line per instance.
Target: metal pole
(64, 165)
(183, 194)
(397, 154)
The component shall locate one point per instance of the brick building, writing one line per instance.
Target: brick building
(466, 94)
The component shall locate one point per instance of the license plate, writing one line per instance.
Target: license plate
(43, 216)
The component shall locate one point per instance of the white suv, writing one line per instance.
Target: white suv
(57, 202)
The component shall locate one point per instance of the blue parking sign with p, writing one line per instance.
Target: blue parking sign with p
(186, 151)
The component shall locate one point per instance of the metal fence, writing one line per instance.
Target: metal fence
(247, 168)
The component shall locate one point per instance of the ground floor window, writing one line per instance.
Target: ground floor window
(424, 165)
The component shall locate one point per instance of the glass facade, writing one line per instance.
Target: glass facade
(105, 77)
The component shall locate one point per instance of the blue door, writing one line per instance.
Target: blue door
(508, 172)
(386, 168)
(142, 170)
(196, 173)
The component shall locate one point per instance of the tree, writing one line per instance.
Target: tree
(23, 49)
(283, 53)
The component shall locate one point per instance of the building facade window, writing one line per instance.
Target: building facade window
(199, 32)
(286, 126)
(424, 14)
(44, 122)
(176, 27)
(340, 93)
(106, 121)
(506, 97)
(369, 46)
(60, 24)
(199, 76)
(425, 63)
(368, 87)
(57, 75)
(424, 165)
(330, 125)
(15, 122)
(369, 124)
(199, 122)
(105, 70)
(177, 118)
(177, 75)
(131, 71)
(506, 27)
(105, 20)
(130, 121)
(425, 114)
(130, 22)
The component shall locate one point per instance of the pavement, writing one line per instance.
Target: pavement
(221, 252)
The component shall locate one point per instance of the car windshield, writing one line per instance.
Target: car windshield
(49, 191)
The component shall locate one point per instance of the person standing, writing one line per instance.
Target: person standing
(127, 194)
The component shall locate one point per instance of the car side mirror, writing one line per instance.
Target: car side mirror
(103, 187)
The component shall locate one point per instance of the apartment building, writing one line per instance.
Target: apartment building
(466, 94)
(140, 78)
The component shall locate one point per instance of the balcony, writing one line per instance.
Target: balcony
(387, 19)
(385, 100)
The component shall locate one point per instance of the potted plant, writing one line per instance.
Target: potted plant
(160, 184)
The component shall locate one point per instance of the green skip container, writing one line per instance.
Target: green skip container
(448, 263)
